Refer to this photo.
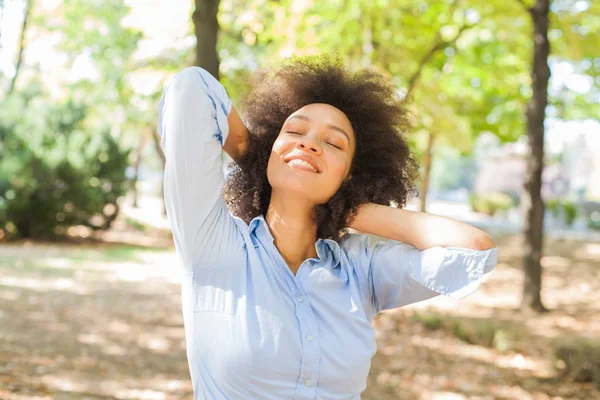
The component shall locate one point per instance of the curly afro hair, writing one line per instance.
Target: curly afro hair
(383, 169)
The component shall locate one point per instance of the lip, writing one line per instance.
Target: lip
(303, 158)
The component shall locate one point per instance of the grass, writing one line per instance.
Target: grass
(137, 225)
(484, 332)
(579, 357)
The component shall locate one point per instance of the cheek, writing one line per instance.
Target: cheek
(339, 167)
(279, 146)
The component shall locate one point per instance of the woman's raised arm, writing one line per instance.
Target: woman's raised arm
(193, 124)
(237, 141)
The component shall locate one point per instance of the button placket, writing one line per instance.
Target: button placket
(309, 369)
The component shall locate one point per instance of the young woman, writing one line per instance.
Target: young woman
(276, 303)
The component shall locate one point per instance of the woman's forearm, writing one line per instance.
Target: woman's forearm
(237, 140)
(419, 229)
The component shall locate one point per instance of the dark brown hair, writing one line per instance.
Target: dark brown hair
(383, 169)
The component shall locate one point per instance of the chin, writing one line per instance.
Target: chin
(296, 186)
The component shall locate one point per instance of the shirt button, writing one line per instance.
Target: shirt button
(309, 338)
(307, 382)
(301, 299)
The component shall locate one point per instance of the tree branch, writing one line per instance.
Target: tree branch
(437, 46)
(27, 9)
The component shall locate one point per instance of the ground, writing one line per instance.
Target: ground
(101, 320)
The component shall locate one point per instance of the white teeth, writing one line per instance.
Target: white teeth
(303, 163)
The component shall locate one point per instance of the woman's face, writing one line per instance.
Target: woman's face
(313, 153)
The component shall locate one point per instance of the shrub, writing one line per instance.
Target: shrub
(581, 357)
(569, 210)
(591, 212)
(491, 203)
(54, 171)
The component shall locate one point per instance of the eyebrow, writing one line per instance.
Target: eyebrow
(332, 127)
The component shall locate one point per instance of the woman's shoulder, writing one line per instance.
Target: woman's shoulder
(356, 241)
(356, 247)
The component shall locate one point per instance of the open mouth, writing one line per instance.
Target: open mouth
(303, 165)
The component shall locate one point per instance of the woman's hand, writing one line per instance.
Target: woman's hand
(237, 140)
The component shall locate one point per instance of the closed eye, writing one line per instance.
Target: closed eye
(333, 145)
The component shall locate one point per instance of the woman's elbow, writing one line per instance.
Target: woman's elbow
(485, 242)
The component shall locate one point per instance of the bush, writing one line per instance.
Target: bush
(570, 212)
(593, 221)
(491, 203)
(553, 207)
(581, 357)
(591, 212)
(54, 172)
(569, 209)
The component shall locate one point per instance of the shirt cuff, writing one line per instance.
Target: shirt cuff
(214, 90)
(454, 272)
(222, 103)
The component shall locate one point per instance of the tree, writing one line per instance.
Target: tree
(206, 27)
(105, 132)
(532, 199)
(27, 6)
(1, 20)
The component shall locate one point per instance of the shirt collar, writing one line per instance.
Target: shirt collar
(325, 247)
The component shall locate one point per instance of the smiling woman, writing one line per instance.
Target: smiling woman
(318, 101)
(277, 303)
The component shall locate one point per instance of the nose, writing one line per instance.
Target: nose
(307, 144)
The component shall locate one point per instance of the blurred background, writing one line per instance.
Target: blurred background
(506, 104)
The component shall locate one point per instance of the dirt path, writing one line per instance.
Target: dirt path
(104, 322)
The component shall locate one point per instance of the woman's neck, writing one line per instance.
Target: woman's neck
(291, 224)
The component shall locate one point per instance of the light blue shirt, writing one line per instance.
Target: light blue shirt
(253, 329)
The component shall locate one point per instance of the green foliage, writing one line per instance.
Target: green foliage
(135, 224)
(94, 31)
(565, 208)
(553, 206)
(54, 173)
(591, 213)
(477, 79)
(431, 321)
(485, 332)
(593, 220)
(490, 204)
(581, 358)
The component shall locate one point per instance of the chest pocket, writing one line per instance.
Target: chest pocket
(220, 288)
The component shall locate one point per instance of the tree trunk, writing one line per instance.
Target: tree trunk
(427, 162)
(27, 10)
(533, 204)
(1, 20)
(206, 27)
(136, 167)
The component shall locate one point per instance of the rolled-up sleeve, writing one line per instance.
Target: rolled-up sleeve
(192, 124)
(397, 274)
